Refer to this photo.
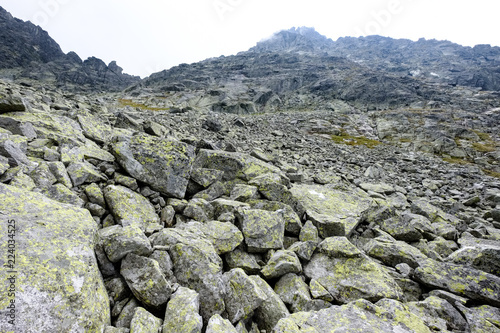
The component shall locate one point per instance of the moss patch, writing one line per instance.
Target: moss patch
(350, 140)
(128, 102)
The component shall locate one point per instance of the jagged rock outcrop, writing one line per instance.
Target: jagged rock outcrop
(29, 54)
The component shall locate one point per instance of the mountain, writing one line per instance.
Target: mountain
(367, 201)
(301, 69)
(28, 53)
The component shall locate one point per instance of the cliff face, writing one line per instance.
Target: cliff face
(27, 52)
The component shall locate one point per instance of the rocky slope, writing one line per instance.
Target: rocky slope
(28, 53)
(283, 189)
(202, 221)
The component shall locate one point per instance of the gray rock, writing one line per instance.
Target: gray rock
(483, 257)
(182, 314)
(164, 164)
(263, 230)
(14, 153)
(348, 274)
(165, 263)
(130, 208)
(78, 298)
(272, 309)
(333, 212)
(59, 171)
(95, 195)
(460, 280)
(119, 241)
(224, 236)
(61, 193)
(393, 253)
(439, 314)
(94, 127)
(23, 181)
(243, 295)
(217, 324)
(144, 322)
(246, 261)
(234, 165)
(196, 265)
(82, 173)
(199, 210)
(282, 262)
(145, 280)
(42, 176)
(125, 317)
(293, 224)
(481, 319)
(244, 192)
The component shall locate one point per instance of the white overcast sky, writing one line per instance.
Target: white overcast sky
(148, 36)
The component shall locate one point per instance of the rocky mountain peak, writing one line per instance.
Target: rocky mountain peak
(303, 39)
(29, 54)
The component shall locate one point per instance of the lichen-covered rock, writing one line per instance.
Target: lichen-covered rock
(460, 280)
(484, 257)
(164, 164)
(439, 314)
(392, 252)
(144, 322)
(61, 193)
(304, 250)
(246, 261)
(58, 285)
(59, 171)
(294, 292)
(4, 164)
(95, 195)
(196, 265)
(357, 316)
(309, 233)
(82, 173)
(165, 263)
(223, 206)
(263, 230)
(182, 314)
(224, 236)
(42, 176)
(282, 262)
(408, 228)
(292, 221)
(333, 212)
(244, 192)
(22, 181)
(199, 210)
(118, 241)
(482, 319)
(243, 295)
(94, 127)
(272, 309)
(234, 165)
(129, 208)
(217, 324)
(349, 274)
(127, 313)
(206, 177)
(145, 280)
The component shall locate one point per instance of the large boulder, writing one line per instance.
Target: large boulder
(131, 208)
(333, 212)
(55, 277)
(197, 266)
(235, 165)
(460, 280)
(263, 230)
(357, 316)
(163, 163)
(182, 314)
(348, 274)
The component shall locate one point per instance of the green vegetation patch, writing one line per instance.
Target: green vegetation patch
(128, 102)
(484, 148)
(492, 173)
(454, 160)
(349, 140)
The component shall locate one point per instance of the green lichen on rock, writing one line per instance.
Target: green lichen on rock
(182, 314)
(144, 322)
(349, 274)
(58, 285)
(460, 280)
(129, 207)
(333, 212)
(163, 163)
(217, 324)
(263, 230)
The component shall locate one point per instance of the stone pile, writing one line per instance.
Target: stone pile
(129, 223)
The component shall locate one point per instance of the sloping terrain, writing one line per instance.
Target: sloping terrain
(284, 189)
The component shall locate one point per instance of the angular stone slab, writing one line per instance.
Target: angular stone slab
(164, 164)
(333, 212)
(460, 280)
(58, 286)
